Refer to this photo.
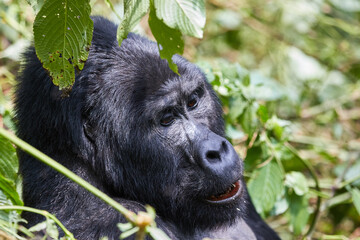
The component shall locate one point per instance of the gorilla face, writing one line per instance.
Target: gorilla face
(197, 170)
(171, 153)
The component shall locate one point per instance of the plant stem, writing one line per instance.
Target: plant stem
(41, 212)
(66, 172)
(351, 180)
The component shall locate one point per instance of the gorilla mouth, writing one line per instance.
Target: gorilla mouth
(230, 194)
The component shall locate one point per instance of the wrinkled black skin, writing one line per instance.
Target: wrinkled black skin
(109, 132)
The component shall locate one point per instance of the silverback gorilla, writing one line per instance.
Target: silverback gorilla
(140, 133)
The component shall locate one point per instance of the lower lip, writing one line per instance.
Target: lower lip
(229, 199)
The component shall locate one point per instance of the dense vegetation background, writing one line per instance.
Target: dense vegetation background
(287, 72)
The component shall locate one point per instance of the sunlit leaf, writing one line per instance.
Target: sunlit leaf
(38, 227)
(298, 182)
(188, 16)
(134, 10)
(280, 207)
(51, 229)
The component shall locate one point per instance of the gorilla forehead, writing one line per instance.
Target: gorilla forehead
(153, 80)
(173, 92)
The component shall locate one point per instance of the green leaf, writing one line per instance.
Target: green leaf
(351, 173)
(51, 229)
(8, 160)
(237, 105)
(263, 114)
(207, 69)
(8, 120)
(253, 157)
(8, 171)
(265, 185)
(151, 211)
(280, 207)
(134, 10)
(157, 233)
(234, 133)
(9, 189)
(356, 198)
(298, 182)
(169, 40)
(246, 80)
(299, 213)
(38, 227)
(129, 233)
(36, 4)
(62, 36)
(248, 118)
(278, 127)
(188, 16)
(124, 226)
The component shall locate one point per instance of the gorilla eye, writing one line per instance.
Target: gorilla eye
(167, 119)
(192, 103)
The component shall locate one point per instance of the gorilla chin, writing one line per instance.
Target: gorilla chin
(141, 134)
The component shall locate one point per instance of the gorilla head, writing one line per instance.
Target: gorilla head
(137, 131)
(167, 145)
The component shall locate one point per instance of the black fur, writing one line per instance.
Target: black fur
(130, 128)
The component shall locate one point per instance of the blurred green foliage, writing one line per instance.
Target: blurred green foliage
(287, 72)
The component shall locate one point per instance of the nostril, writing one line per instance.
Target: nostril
(213, 156)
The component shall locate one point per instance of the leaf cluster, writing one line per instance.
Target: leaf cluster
(63, 31)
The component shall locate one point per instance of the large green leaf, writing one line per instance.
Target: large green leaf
(186, 15)
(62, 35)
(134, 10)
(169, 40)
(265, 185)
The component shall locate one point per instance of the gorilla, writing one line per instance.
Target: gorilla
(140, 133)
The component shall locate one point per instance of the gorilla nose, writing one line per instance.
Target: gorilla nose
(214, 156)
(217, 156)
